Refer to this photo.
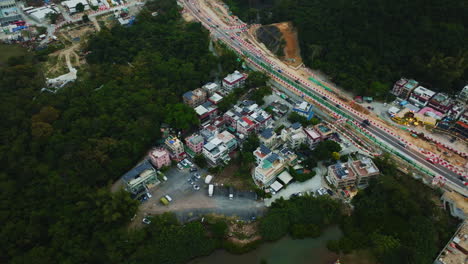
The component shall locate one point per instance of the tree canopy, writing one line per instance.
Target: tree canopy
(60, 152)
(365, 46)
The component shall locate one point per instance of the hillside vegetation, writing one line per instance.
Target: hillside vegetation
(364, 46)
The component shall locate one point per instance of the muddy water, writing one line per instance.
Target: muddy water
(283, 251)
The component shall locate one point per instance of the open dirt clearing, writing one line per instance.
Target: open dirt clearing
(292, 51)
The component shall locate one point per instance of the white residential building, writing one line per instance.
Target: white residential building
(234, 80)
(294, 136)
(175, 147)
(268, 169)
(218, 148)
(421, 96)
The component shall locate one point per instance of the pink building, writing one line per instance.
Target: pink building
(313, 136)
(195, 143)
(160, 157)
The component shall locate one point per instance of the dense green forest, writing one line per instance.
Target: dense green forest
(59, 152)
(396, 219)
(365, 46)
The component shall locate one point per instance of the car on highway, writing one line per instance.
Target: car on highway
(366, 122)
(146, 221)
(297, 81)
(324, 98)
(431, 160)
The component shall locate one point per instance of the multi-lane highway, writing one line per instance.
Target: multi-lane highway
(255, 56)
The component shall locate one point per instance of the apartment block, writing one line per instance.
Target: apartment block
(175, 147)
(194, 143)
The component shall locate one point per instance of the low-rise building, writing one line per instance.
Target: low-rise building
(261, 153)
(9, 12)
(206, 111)
(194, 98)
(234, 80)
(462, 97)
(324, 131)
(175, 147)
(268, 169)
(215, 98)
(194, 143)
(218, 148)
(268, 137)
(441, 102)
(313, 136)
(40, 14)
(365, 170)
(342, 175)
(140, 178)
(456, 204)
(210, 88)
(71, 5)
(294, 136)
(421, 96)
(304, 109)
(403, 87)
(160, 157)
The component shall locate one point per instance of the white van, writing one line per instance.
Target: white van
(168, 197)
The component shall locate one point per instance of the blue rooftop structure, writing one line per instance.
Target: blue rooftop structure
(267, 133)
(133, 173)
(207, 104)
(264, 149)
(273, 157)
(296, 125)
(188, 95)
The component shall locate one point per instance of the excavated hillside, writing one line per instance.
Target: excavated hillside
(281, 39)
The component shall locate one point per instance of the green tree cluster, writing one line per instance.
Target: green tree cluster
(304, 216)
(60, 152)
(295, 117)
(365, 46)
(397, 219)
(324, 151)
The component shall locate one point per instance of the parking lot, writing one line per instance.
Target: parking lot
(188, 203)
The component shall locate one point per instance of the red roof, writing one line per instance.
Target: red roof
(248, 121)
(462, 124)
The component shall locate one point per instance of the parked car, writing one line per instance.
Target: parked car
(149, 195)
(193, 169)
(146, 221)
(329, 192)
(196, 187)
(179, 166)
(197, 175)
(168, 197)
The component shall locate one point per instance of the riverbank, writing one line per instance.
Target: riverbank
(285, 250)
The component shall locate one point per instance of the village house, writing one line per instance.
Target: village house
(194, 98)
(160, 157)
